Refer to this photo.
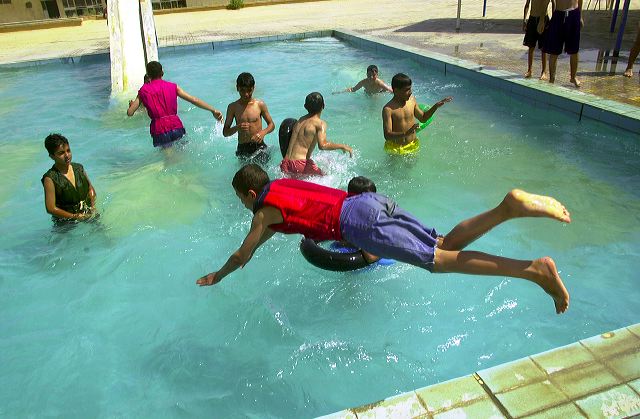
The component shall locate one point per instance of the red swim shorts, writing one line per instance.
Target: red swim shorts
(304, 167)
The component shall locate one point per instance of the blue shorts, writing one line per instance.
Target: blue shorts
(166, 139)
(377, 225)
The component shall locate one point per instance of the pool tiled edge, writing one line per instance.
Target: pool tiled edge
(593, 378)
(579, 104)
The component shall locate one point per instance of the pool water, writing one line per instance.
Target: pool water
(105, 320)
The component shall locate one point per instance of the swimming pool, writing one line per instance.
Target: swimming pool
(105, 320)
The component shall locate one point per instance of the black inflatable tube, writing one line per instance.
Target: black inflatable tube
(331, 261)
(284, 134)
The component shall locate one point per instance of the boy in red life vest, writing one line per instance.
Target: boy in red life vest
(377, 225)
(160, 98)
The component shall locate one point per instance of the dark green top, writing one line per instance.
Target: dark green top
(69, 198)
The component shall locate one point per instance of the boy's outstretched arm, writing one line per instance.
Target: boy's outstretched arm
(352, 89)
(258, 234)
(200, 103)
(133, 106)
(323, 144)
(384, 86)
(424, 116)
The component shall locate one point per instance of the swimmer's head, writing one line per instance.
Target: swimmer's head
(400, 81)
(245, 83)
(314, 103)
(360, 184)
(372, 71)
(248, 182)
(401, 85)
(54, 141)
(154, 70)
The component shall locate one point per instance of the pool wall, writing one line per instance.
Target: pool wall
(541, 95)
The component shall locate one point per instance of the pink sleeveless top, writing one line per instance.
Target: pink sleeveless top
(161, 100)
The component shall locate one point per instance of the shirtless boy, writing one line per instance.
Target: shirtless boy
(400, 113)
(308, 132)
(377, 225)
(372, 84)
(564, 31)
(534, 29)
(248, 112)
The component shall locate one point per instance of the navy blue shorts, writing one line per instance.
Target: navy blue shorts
(253, 152)
(564, 30)
(377, 225)
(531, 36)
(168, 138)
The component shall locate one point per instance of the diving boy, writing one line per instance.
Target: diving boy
(308, 132)
(400, 113)
(372, 84)
(534, 29)
(248, 113)
(377, 225)
(160, 98)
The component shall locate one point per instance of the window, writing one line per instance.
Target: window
(168, 4)
(73, 8)
(5, 1)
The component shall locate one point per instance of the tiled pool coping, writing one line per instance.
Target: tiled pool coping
(596, 377)
(540, 94)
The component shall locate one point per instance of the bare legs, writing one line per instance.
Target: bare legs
(573, 64)
(543, 74)
(633, 54)
(451, 258)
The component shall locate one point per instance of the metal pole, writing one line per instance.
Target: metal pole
(458, 19)
(625, 12)
(484, 8)
(615, 16)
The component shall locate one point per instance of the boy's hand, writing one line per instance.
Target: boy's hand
(348, 150)
(208, 279)
(541, 25)
(445, 100)
(217, 114)
(524, 25)
(257, 137)
(412, 130)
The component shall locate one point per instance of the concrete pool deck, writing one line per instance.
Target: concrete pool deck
(598, 377)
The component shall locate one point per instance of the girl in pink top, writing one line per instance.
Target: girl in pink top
(160, 98)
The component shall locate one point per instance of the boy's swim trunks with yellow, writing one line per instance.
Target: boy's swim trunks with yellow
(376, 224)
(395, 148)
(304, 167)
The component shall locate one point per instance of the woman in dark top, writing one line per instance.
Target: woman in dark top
(68, 194)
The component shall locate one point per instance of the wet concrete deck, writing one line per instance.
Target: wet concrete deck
(598, 377)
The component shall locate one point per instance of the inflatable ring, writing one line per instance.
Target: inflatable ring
(398, 149)
(331, 260)
(284, 134)
(426, 123)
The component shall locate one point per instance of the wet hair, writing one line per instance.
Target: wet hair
(372, 68)
(400, 80)
(314, 102)
(53, 141)
(250, 177)
(154, 70)
(360, 184)
(245, 80)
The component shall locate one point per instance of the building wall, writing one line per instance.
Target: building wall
(17, 11)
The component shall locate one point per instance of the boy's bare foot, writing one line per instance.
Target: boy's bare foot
(628, 72)
(523, 204)
(544, 76)
(527, 75)
(552, 79)
(576, 82)
(547, 277)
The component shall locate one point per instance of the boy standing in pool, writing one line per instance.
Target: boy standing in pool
(400, 113)
(372, 84)
(308, 132)
(248, 113)
(377, 225)
(160, 98)
(534, 30)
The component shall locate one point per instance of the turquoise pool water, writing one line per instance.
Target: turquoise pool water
(105, 320)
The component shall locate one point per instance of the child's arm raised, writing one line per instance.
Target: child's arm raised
(424, 116)
(200, 103)
(258, 234)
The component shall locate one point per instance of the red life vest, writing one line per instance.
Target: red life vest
(307, 208)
